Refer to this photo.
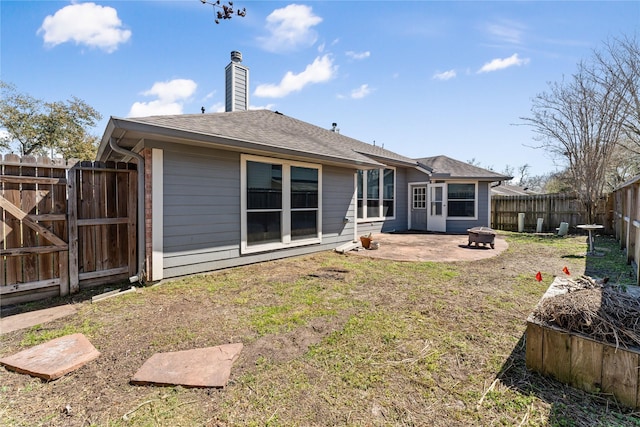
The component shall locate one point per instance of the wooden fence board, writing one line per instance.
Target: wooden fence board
(28, 198)
(122, 195)
(73, 256)
(87, 235)
(131, 229)
(45, 207)
(111, 213)
(60, 228)
(12, 224)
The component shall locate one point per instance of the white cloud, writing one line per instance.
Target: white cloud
(358, 55)
(360, 92)
(321, 70)
(171, 98)
(446, 75)
(290, 28)
(85, 24)
(502, 63)
(507, 31)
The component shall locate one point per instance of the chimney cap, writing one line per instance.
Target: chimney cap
(236, 56)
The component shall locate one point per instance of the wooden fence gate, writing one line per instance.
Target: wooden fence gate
(64, 227)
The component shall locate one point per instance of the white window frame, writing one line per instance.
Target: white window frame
(366, 218)
(475, 207)
(285, 239)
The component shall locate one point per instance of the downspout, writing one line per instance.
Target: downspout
(141, 214)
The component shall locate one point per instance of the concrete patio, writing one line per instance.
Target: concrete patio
(430, 247)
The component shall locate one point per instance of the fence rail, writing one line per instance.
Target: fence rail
(552, 208)
(64, 226)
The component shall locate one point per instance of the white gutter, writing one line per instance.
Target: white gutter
(141, 214)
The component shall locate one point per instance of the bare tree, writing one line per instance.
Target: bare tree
(624, 166)
(523, 174)
(617, 65)
(578, 122)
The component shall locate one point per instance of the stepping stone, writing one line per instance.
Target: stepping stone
(203, 367)
(32, 318)
(54, 358)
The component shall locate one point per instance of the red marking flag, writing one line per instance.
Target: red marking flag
(566, 271)
(539, 277)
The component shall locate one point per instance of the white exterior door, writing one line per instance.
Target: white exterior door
(437, 208)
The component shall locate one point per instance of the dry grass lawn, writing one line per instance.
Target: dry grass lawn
(329, 340)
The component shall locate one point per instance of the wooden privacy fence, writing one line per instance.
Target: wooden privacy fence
(626, 220)
(64, 226)
(552, 208)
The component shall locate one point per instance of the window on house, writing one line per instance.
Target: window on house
(281, 204)
(264, 202)
(304, 203)
(376, 193)
(461, 200)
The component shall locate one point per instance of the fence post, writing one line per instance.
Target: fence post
(72, 215)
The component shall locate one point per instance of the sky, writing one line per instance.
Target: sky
(421, 78)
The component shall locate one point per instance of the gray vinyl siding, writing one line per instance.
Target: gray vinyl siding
(338, 206)
(414, 175)
(201, 221)
(202, 212)
(461, 226)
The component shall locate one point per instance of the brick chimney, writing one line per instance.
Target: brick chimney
(236, 84)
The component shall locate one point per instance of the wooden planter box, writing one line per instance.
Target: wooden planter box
(582, 362)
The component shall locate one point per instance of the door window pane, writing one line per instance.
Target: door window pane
(419, 197)
(436, 200)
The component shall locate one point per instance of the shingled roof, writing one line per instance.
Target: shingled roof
(446, 167)
(257, 130)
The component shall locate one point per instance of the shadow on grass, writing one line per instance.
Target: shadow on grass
(610, 262)
(569, 406)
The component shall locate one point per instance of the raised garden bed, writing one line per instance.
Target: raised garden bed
(577, 359)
